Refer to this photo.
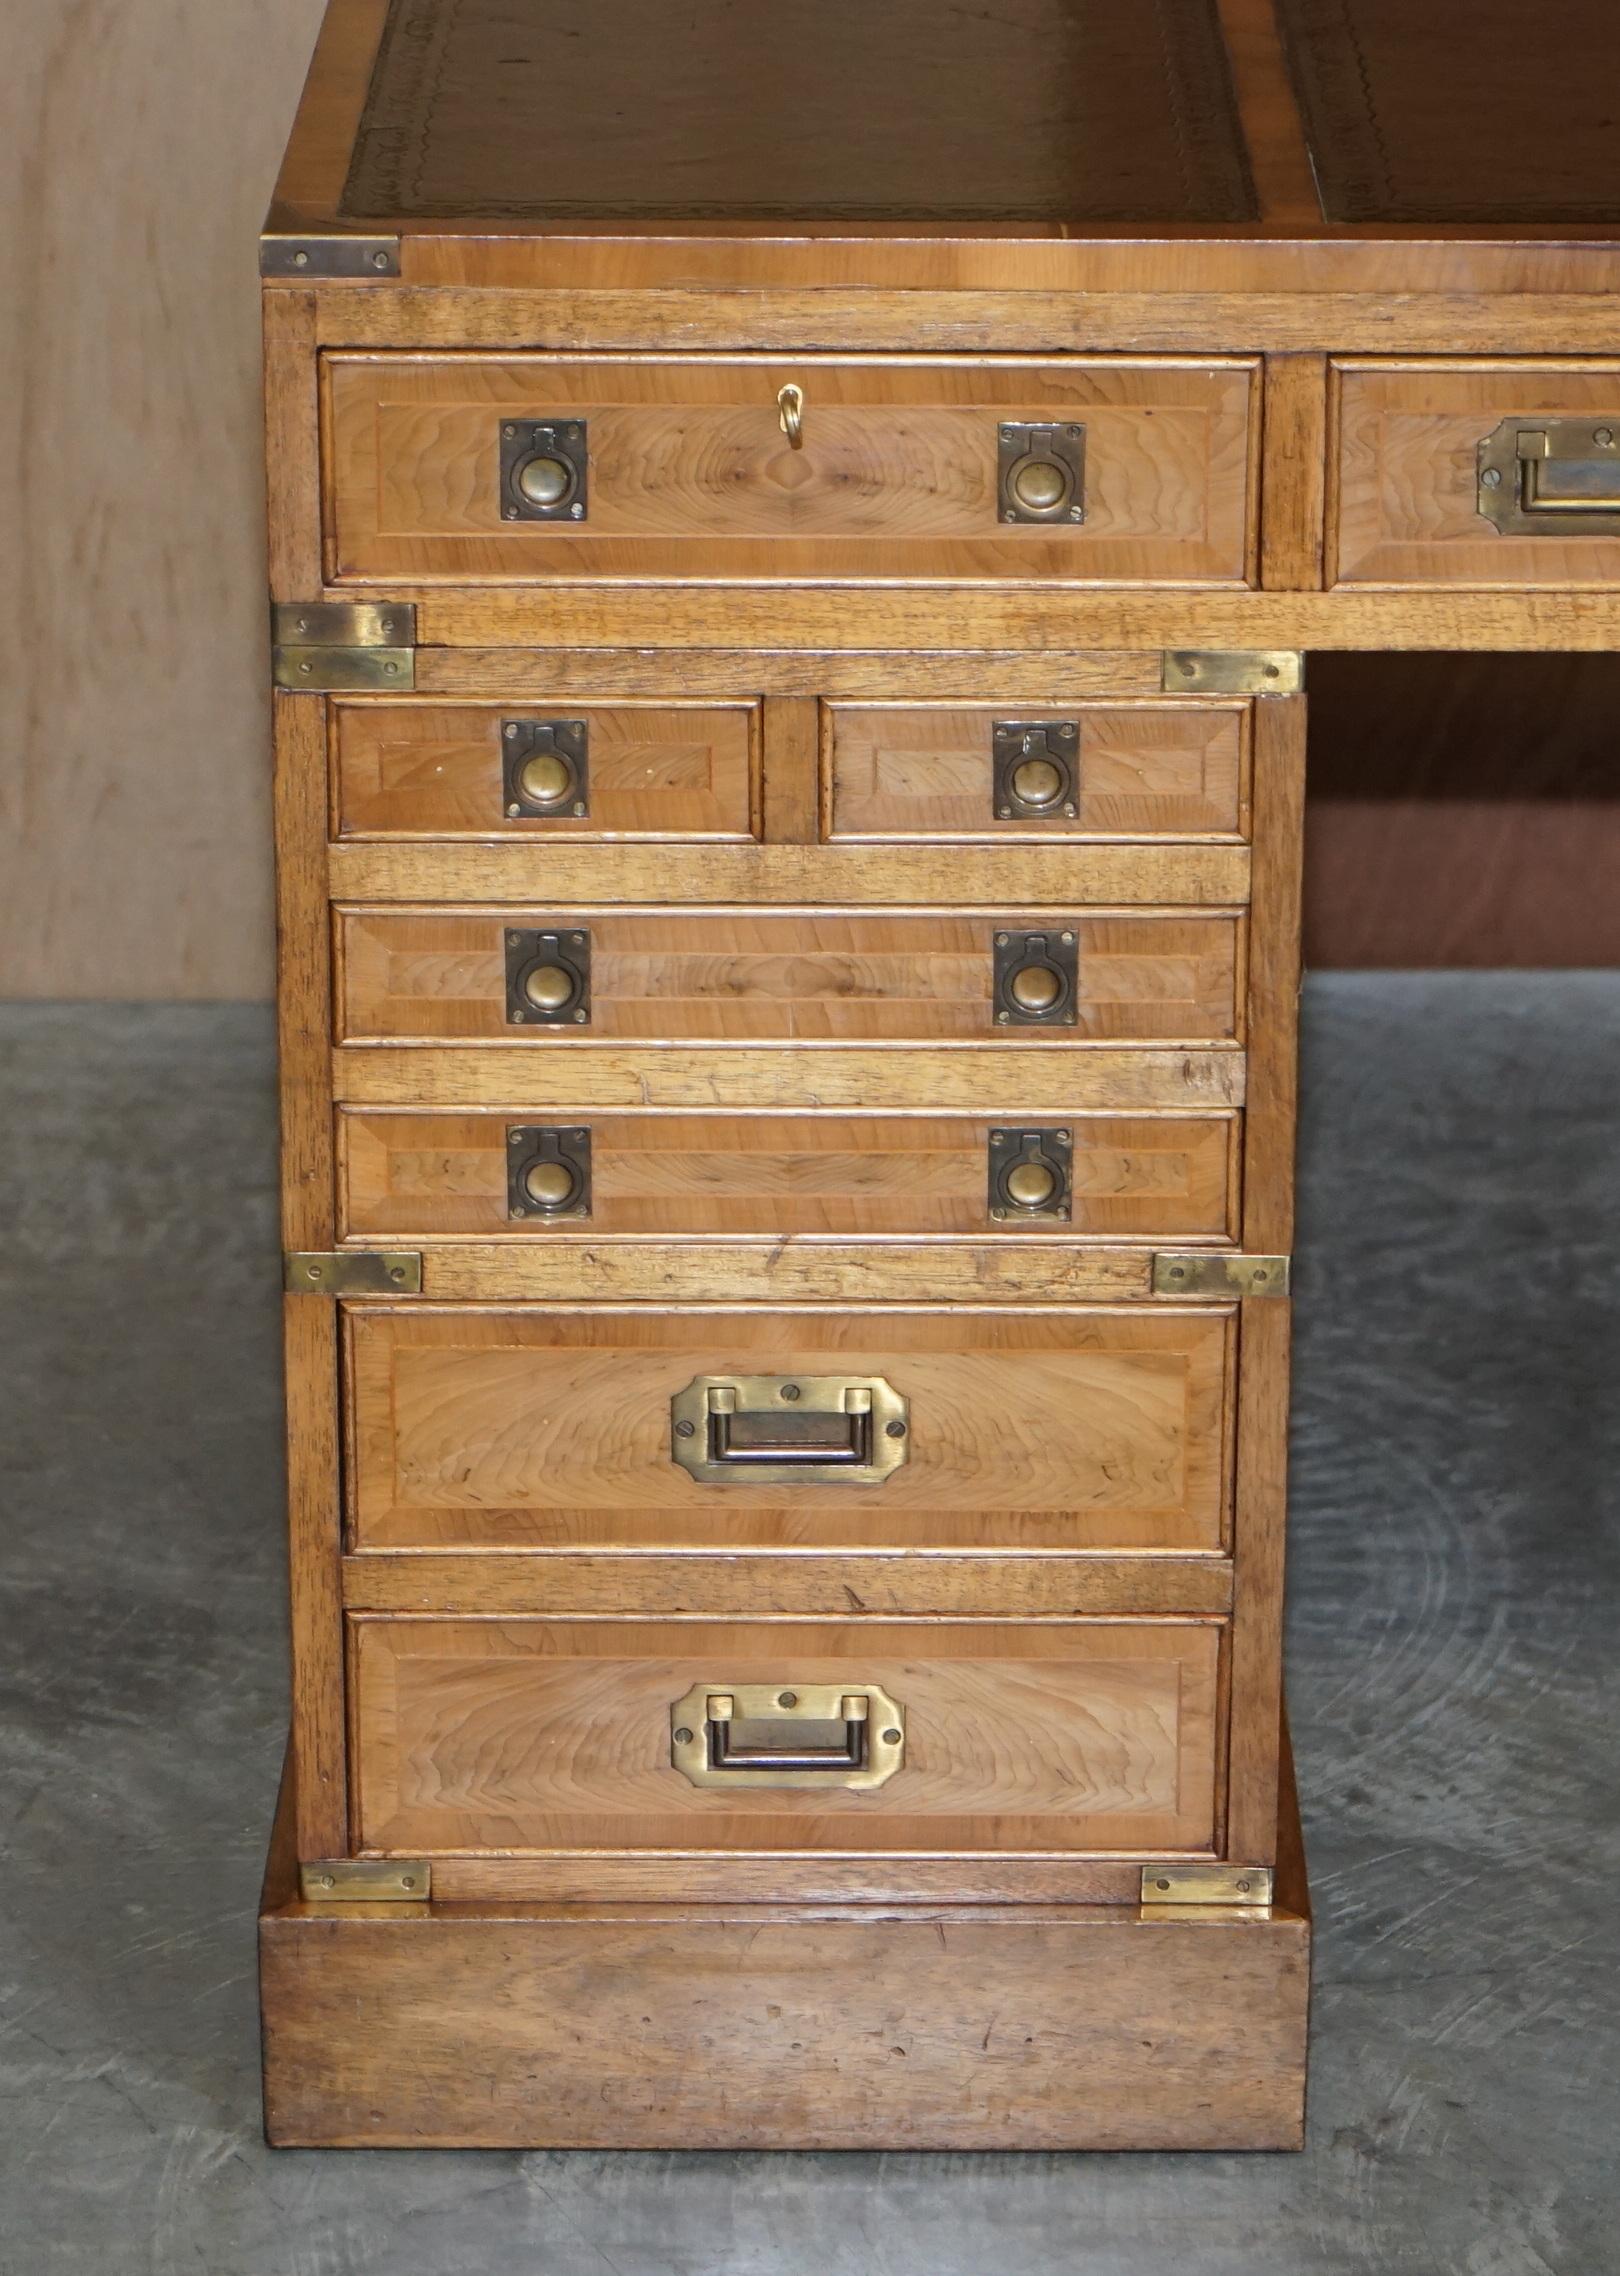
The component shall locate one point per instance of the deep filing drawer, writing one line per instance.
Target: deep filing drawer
(479, 468)
(1046, 773)
(546, 976)
(1065, 1428)
(529, 1736)
(1477, 474)
(683, 1175)
(546, 770)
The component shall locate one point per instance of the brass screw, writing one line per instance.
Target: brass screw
(1492, 478)
(683, 1738)
(1161, 1884)
(1243, 1888)
(301, 261)
(787, 1699)
(891, 1738)
(894, 1430)
(791, 1391)
(683, 1429)
(407, 1880)
(380, 261)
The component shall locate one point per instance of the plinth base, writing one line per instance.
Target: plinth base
(1004, 2027)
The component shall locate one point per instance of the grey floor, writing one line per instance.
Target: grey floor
(1452, 1632)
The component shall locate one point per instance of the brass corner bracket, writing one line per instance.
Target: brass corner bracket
(352, 1272)
(1232, 671)
(366, 1881)
(1206, 1884)
(344, 647)
(1217, 1272)
(324, 257)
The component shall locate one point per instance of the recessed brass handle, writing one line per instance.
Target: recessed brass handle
(787, 1734)
(790, 411)
(1552, 477)
(799, 1430)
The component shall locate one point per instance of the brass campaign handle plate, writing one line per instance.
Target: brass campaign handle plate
(849, 1735)
(789, 1430)
(1552, 477)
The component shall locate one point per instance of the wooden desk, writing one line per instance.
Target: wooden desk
(793, 536)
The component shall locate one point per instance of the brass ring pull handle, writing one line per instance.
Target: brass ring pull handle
(789, 1430)
(795, 1735)
(790, 411)
(1552, 477)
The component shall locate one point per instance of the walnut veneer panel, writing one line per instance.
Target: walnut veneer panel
(1408, 473)
(1459, 110)
(520, 1735)
(1080, 1428)
(1144, 770)
(685, 1175)
(832, 976)
(652, 770)
(1048, 109)
(691, 475)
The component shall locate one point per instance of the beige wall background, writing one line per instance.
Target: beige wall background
(139, 141)
(1463, 811)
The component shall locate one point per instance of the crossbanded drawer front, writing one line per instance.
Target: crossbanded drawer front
(1045, 773)
(678, 1175)
(548, 976)
(529, 1736)
(546, 770)
(1068, 1427)
(1490, 475)
(481, 468)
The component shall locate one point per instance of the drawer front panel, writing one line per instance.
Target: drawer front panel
(526, 1735)
(677, 1175)
(1042, 772)
(1064, 1428)
(738, 977)
(1483, 475)
(479, 468)
(527, 768)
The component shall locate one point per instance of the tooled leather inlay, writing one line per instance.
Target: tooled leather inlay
(880, 110)
(1461, 110)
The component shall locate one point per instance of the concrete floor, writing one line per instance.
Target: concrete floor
(1452, 1650)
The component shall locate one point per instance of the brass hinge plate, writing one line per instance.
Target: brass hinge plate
(1215, 1272)
(1233, 671)
(323, 258)
(352, 1272)
(366, 1881)
(344, 647)
(1206, 1884)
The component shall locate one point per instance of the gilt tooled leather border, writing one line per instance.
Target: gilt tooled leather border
(401, 170)
(1371, 167)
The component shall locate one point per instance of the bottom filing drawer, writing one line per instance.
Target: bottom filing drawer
(524, 1736)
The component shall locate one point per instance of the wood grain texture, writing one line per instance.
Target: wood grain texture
(691, 474)
(1406, 495)
(688, 1175)
(134, 781)
(1252, 1829)
(904, 771)
(988, 877)
(1109, 1076)
(1272, 1011)
(1294, 472)
(519, 1735)
(1055, 1428)
(308, 1213)
(653, 771)
(717, 1583)
(675, 976)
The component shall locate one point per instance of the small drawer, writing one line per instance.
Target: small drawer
(546, 770)
(488, 469)
(1045, 772)
(835, 976)
(541, 1177)
(1070, 1427)
(530, 1736)
(1476, 474)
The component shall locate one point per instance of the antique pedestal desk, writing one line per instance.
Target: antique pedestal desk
(793, 533)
